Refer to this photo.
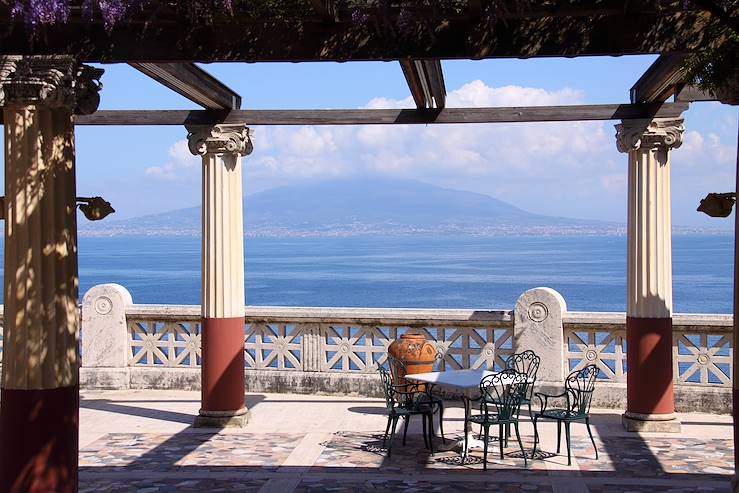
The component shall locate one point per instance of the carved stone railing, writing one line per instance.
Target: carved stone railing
(702, 352)
(320, 339)
(330, 350)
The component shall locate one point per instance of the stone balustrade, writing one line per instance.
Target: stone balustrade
(337, 350)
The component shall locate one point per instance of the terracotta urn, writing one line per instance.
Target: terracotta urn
(418, 354)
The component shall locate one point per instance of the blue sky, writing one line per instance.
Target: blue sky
(564, 169)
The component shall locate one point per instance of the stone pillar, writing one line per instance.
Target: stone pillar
(538, 326)
(40, 372)
(649, 379)
(105, 350)
(221, 147)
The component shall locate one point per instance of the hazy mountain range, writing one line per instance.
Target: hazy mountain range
(351, 207)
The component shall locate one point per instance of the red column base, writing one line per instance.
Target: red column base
(650, 395)
(39, 440)
(222, 367)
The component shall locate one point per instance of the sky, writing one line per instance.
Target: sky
(564, 169)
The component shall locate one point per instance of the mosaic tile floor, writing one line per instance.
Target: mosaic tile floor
(354, 461)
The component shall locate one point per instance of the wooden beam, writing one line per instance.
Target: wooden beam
(326, 9)
(194, 83)
(660, 80)
(690, 93)
(386, 117)
(426, 81)
(239, 38)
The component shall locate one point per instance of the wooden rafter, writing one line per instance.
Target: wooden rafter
(192, 82)
(426, 81)
(660, 80)
(386, 117)
(326, 9)
(663, 79)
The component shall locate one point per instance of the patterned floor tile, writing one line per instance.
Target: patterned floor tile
(160, 452)
(410, 485)
(171, 485)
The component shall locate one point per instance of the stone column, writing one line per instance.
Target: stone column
(649, 380)
(221, 147)
(40, 372)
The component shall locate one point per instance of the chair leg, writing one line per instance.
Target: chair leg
(425, 439)
(430, 416)
(387, 430)
(587, 423)
(520, 443)
(464, 447)
(441, 420)
(536, 438)
(500, 439)
(486, 436)
(405, 428)
(392, 435)
(567, 437)
(559, 434)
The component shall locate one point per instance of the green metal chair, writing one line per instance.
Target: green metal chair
(578, 395)
(527, 363)
(398, 369)
(500, 403)
(403, 401)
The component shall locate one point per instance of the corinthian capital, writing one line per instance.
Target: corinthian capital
(219, 139)
(53, 81)
(649, 133)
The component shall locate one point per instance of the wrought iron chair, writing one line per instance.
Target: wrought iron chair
(578, 394)
(398, 370)
(527, 363)
(500, 398)
(402, 401)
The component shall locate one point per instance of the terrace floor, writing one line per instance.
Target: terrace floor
(143, 441)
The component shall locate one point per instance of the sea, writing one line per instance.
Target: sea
(413, 272)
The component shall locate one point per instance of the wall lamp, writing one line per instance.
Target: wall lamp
(717, 204)
(94, 208)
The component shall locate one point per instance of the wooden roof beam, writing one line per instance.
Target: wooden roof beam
(660, 81)
(326, 9)
(192, 82)
(426, 81)
(386, 117)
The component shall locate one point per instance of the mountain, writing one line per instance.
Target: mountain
(345, 207)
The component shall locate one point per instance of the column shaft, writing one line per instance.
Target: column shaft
(223, 273)
(40, 372)
(650, 394)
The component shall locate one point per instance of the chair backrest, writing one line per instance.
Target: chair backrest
(397, 369)
(579, 386)
(502, 393)
(388, 390)
(527, 363)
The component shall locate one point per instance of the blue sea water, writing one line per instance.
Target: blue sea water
(462, 272)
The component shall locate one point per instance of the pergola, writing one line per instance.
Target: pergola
(45, 91)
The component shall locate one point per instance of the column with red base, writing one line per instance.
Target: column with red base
(39, 407)
(650, 388)
(222, 334)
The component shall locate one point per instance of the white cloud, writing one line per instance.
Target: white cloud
(180, 165)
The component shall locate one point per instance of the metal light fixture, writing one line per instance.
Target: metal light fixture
(717, 204)
(94, 208)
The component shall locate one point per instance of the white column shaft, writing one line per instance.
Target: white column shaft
(649, 264)
(221, 148)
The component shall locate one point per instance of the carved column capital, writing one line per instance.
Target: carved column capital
(649, 134)
(53, 81)
(219, 139)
